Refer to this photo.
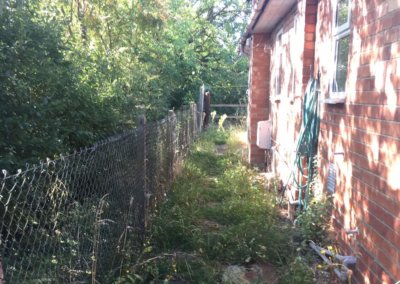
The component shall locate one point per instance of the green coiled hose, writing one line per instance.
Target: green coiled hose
(307, 145)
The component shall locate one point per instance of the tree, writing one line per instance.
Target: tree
(73, 71)
(43, 111)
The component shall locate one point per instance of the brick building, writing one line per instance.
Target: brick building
(355, 47)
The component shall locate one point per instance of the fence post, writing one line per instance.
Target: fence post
(200, 106)
(171, 146)
(146, 195)
(206, 109)
(194, 123)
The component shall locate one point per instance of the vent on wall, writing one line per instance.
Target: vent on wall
(331, 181)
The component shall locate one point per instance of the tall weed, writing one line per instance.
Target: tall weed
(217, 212)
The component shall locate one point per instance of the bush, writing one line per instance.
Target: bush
(43, 108)
(314, 222)
(299, 272)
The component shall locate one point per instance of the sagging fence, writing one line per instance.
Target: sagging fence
(82, 218)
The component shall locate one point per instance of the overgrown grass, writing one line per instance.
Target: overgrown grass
(216, 213)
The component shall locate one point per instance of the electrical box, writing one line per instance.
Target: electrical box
(264, 132)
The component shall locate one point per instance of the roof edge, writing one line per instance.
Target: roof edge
(256, 14)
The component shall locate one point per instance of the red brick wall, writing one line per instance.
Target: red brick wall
(366, 129)
(286, 76)
(309, 40)
(361, 136)
(297, 43)
(258, 107)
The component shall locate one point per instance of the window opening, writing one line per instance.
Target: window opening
(341, 34)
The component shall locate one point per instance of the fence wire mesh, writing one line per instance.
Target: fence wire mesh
(82, 218)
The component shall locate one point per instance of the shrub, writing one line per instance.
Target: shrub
(315, 220)
(299, 272)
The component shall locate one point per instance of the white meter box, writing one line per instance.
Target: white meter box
(264, 131)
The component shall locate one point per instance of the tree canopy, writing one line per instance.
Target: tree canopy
(72, 72)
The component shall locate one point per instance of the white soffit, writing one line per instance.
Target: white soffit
(273, 13)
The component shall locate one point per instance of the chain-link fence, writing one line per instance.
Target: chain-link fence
(82, 218)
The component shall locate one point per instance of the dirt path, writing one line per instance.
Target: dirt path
(259, 273)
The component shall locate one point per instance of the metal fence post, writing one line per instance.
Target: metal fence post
(200, 106)
(172, 137)
(194, 124)
(146, 195)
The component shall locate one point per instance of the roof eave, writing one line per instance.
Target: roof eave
(266, 15)
(254, 18)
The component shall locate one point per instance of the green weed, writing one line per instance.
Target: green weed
(216, 135)
(299, 272)
(314, 222)
(216, 213)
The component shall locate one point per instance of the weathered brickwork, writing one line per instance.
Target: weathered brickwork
(361, 136)
(291, 48)
(258, 107)
(287, 51)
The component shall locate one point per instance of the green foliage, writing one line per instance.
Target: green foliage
(43, 110)
(154, 54)
(299, 272)
(172, 267)
(217, 136)
(74, 71)
(216, 212)
(314, 222)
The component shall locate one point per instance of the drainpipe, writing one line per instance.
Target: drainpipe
(256, 14)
